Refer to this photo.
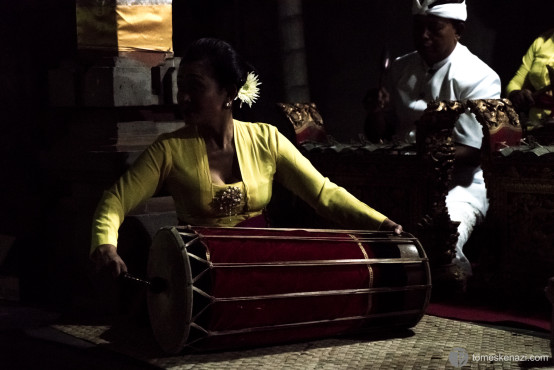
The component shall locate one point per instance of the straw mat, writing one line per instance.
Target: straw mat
(429, 345)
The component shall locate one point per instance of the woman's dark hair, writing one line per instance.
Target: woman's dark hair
(228, 66)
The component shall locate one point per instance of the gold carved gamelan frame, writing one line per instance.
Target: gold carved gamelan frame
(369, 174)
(501, 128)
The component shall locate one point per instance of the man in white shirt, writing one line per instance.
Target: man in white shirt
(441, 69)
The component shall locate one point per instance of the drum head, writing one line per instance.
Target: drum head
(170, 310)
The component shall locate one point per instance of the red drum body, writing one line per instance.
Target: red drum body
(236, 287)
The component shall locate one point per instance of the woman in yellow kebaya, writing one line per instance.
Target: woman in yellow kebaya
(220, 170)
(530, 89)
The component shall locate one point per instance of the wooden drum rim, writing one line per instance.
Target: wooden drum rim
(170, 311)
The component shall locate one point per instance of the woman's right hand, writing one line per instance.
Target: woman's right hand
(106, 257)
(522, 99)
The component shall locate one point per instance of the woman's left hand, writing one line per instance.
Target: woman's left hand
(389, 225)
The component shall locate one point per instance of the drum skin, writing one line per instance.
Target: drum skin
(240, 287)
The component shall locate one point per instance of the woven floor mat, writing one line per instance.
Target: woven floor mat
(435, 343)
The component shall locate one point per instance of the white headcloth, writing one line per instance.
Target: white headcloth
(444, 10)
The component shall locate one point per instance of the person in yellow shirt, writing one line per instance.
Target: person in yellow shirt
(529, 89)
(220, 170)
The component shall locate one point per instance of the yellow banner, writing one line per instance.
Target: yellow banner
(124, 27)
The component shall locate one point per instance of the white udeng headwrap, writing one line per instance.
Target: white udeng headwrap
(451, 10)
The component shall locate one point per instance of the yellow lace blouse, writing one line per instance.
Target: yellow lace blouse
(179, 162)
(532, 74)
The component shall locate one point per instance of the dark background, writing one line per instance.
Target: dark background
(344, 40)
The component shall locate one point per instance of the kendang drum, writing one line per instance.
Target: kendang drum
(235, 287)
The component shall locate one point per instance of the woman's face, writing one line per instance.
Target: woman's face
(200, 97)
(435, 38)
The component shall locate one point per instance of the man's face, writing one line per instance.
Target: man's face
(434, 37)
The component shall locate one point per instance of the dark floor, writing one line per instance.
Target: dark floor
(27, 342)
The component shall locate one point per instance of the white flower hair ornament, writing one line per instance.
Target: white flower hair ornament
(250, 91)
